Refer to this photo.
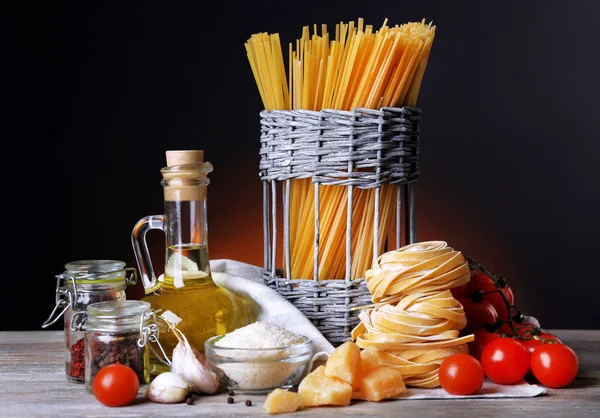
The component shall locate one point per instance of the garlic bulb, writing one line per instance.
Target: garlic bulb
(192, 366)
(168, 387)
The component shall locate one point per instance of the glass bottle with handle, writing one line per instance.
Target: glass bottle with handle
(186, 288)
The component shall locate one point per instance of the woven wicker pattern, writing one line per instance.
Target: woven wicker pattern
(304, 143)
(327, 303)
(328, 147)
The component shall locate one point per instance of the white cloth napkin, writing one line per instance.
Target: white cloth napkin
(488, 390)
(245, 280)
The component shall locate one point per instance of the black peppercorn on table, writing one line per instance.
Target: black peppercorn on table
(33, 384)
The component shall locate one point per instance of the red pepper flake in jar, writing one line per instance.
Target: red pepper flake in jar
(76, 363)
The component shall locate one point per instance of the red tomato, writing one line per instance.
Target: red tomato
(482, 338)
(524, 329)
(554, 365)
(485, 284)
(493, 296)
(460, 291)
(543, 337)
(116, 385)
(530, 344)
(505, 361)
(481, 280)
(461, 374)
(477, 313)
(538, 334)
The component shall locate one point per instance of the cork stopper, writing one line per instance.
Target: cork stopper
(178, 157)
(184, 177)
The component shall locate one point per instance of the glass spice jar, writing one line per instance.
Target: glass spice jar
(117, 332)
(82, 283)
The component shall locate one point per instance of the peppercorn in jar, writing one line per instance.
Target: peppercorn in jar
(81, 284)
(117, 332)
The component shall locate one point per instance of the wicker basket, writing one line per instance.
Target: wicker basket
(327, 147)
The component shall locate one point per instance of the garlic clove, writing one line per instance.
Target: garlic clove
(192, 365)
(168, 387)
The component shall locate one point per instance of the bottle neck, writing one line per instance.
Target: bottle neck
(186, 258)
(186, 223)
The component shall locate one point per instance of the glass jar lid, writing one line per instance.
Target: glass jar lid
(115, 309)
(114, 316)
(96, 271)
(85, 277)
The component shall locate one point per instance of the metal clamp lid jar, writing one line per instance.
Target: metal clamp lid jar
(81, 284)
(117, 332)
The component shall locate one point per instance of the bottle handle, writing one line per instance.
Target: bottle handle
(140, 248)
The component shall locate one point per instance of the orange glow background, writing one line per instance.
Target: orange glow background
(236, 229)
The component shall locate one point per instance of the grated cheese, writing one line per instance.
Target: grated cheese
(260, 335)
(258, 370)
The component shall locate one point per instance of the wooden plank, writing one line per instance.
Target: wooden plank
(32, 384)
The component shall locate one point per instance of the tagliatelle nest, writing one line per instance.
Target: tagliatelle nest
(415, 335)
(415, 321)
(417, 268)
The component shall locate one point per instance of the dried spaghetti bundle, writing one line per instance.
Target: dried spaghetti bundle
(359, 66)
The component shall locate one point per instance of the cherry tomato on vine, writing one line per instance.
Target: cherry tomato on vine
(477, 314)
(461, 374)
(523, 327)
(459, 291)
(554, 365)
(481, 338)
(480, 280)
(116, 385)
(530, 344)
(538, 334)
(505, 361)
(489, 291)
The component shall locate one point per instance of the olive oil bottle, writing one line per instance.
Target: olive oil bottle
(186, 288)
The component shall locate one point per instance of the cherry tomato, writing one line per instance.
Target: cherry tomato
(538, 334)
(530, 344)
(505, 361)
(554, 365)
(488, 290)
(459, 291)
(482, 338)
(543, 337)
(461, 374)
(524, 328)
(116, 385)
(477, 314)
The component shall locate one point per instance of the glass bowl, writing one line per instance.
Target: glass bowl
(259, 370)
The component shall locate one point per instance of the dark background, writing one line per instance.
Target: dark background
(96, 92)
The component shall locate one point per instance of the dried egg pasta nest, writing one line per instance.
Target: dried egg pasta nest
(416, 268)
(415, 335)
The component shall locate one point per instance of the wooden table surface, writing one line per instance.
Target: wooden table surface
(33, 384)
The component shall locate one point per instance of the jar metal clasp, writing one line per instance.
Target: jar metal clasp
(132, 278)
(63, 297)
(150, 332)
(78, 320)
